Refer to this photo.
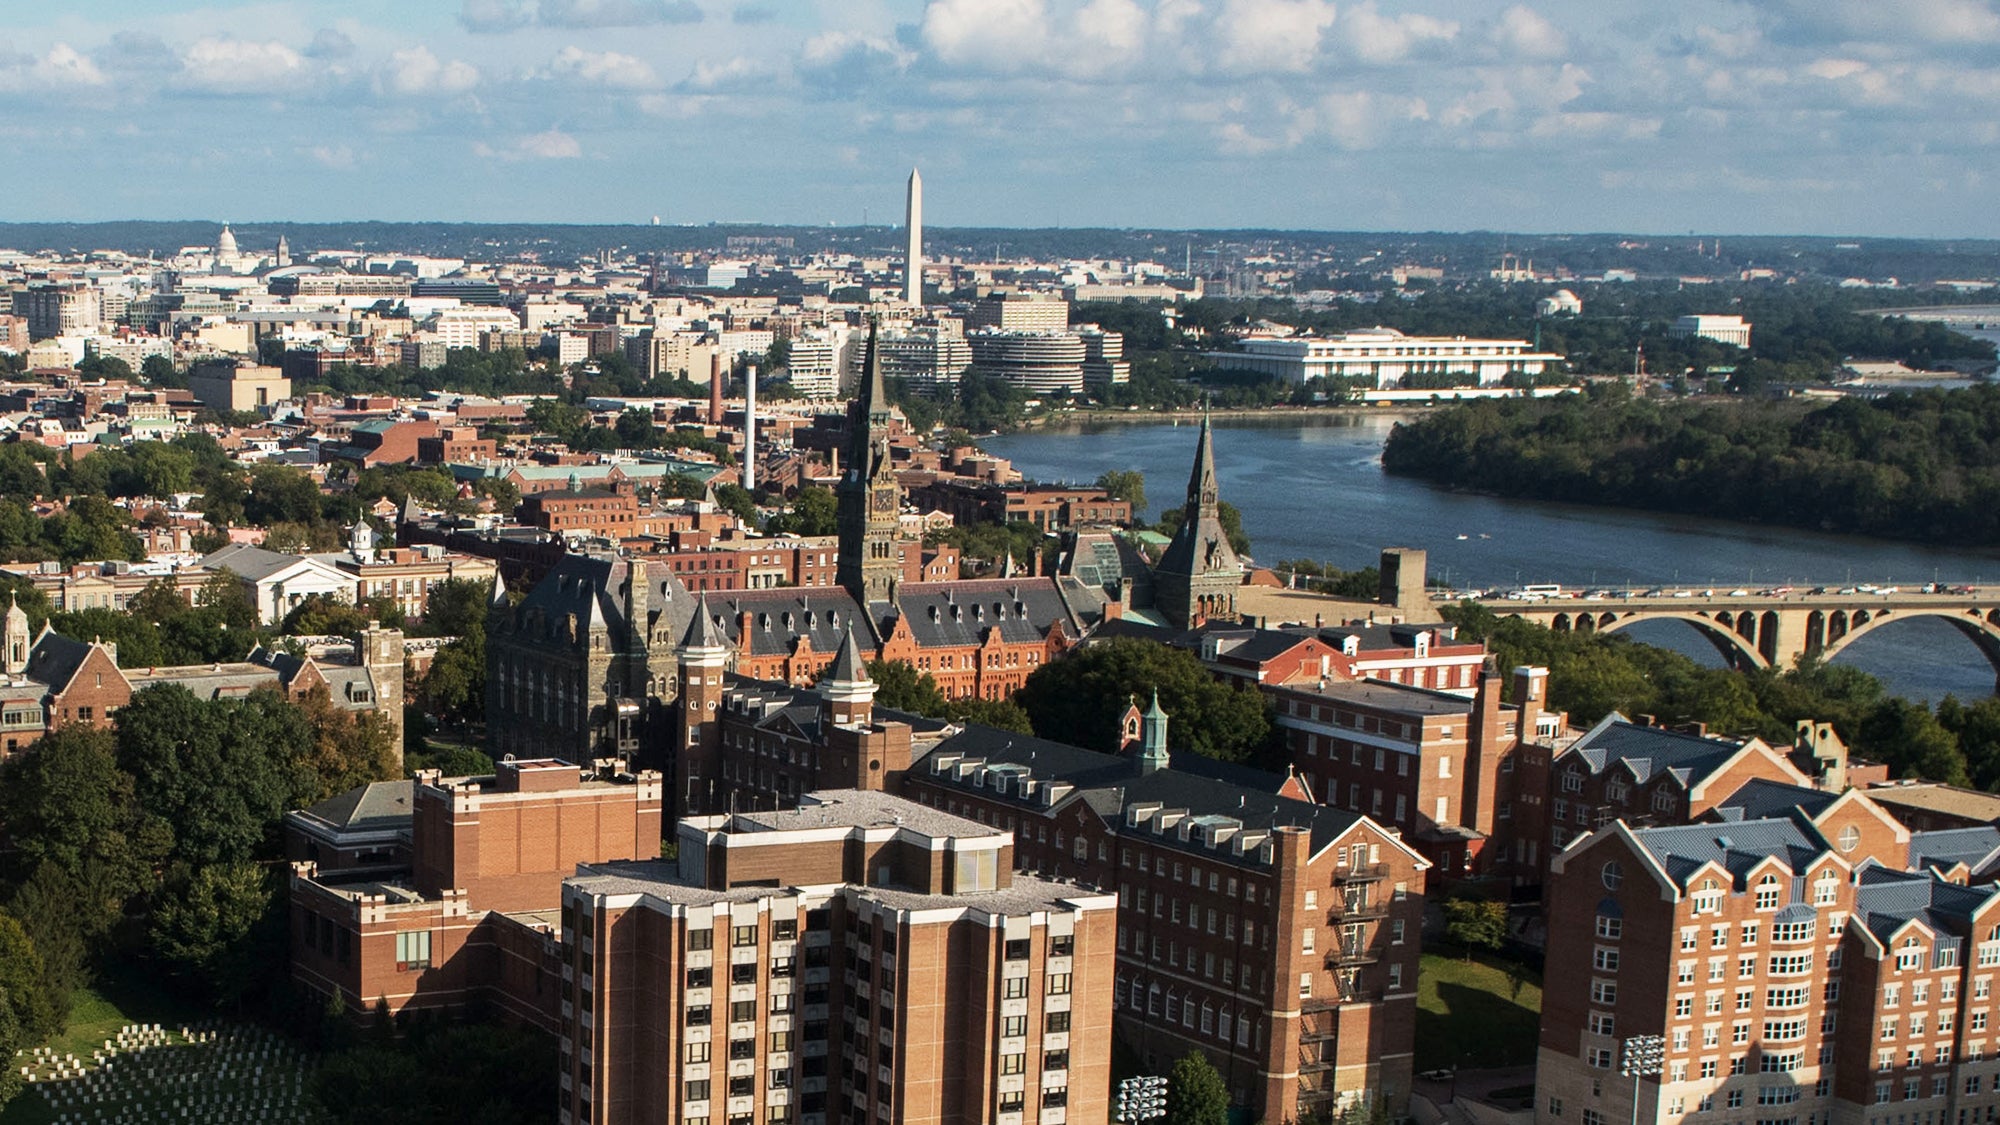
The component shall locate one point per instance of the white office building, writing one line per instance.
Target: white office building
(1383, 357)
(1731, 330)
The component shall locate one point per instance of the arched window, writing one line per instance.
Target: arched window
(1613, 875)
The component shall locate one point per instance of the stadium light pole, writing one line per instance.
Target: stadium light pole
(1645, 1057)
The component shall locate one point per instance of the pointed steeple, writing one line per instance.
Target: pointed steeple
(1153, 741)
(848, 667)
(496, 598)
(18, 640)
(1203, 494)
(703, 634)
(874, 395)
(848, 693)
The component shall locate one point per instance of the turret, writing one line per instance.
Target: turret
(1153, 755)
(704, 660)
(847, 690)
(19, 641)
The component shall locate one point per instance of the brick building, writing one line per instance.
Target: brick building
(576, 510)
(859, 958)
(434, 893)
(455, 443)
(1049, 507)
(1276, 936)
(1435, 766)
(384, 441)
(1795, 964)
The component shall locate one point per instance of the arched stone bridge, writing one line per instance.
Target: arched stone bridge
(1766, 630)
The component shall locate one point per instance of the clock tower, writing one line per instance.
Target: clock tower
(869, 497)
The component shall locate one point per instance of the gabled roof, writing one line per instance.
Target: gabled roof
(959, 613)
(379, 806)
(55, 659)
(1109, 784)
(1738, 848)
(258, 564)
(1649, 751)
(1977, 848)
(1761, 798)
(824, 615)
(1886, 901)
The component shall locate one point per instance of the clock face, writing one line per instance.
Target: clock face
(885, 502)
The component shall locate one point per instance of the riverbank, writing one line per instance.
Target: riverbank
(1078, 419)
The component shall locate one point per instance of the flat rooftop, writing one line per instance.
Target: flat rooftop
(860, 808)
(660, 880)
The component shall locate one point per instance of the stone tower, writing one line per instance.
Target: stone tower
(381, 652)
(869, 496)
(697, 764)
(19, 640)
(1198, 575)
(1402, 585)
(1153, 755)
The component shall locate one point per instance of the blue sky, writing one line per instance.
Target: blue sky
(1778, 116)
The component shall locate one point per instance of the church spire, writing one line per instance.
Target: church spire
(1202, 493)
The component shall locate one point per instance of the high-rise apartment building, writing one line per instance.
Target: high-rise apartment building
(860, 958)
(1015, 311)
(1801, 956)
(53, 309)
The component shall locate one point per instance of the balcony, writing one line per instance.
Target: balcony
(1352, 953)
(1361, 872)
(1355, 910)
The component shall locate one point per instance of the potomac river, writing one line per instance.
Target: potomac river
(1313, 487)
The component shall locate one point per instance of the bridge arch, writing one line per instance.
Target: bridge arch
(1733, 635)
(1840, 629)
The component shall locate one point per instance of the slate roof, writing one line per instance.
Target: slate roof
(1974, 847)
(254, 563)
(1109, 784)
(593, 588)
(778, 618)
(1651, 750)
(54, 659)
(1760, 798)
(379, 806)
(1102, 560)
(943, 614)
(1886, 900)
(1683, 849)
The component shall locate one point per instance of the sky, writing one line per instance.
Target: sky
(1863, 117)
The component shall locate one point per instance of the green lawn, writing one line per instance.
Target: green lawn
(1481, 1013)
(97, 1013)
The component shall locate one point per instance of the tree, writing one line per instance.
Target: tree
(1196, 1094)
(815, 511)
(216, 930)
(349, 748)
(220, 772)
(70, 808)
(28, 1015)
(1003, 714)
(323, 615)
(1125, 484)
(1475, 923)
(441, 1071)
(455, 607)
(900, 687)
(1080, 698)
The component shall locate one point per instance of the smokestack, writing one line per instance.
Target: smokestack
(715, 387)
(913, 260)
(750, 428)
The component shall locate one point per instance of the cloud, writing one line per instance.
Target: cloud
(609, 68)
(239, 66)
(492, 16)
(415, 70)
(1001, 35)
(1376, 38)
(1523, 33)
(331, 156)
(552, 144)
(849, 60)
(1932, 22)
(711, 76)
(617, 13)
(63, 66)
(330, 43)
(752, 14)
(1272, 35)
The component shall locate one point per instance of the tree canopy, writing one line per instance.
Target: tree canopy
(1080, 698)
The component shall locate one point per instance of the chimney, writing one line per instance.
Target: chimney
(715, 386)
(750, 428)
(1531, 694)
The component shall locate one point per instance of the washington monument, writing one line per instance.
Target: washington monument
(913, 220)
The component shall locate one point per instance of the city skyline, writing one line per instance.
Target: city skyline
(1779, 117)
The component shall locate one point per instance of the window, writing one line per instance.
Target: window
(1016, 1063)
(1055, 1021)
(1767, 892)
(413, 950)
(1609, 928)
(1058, 984)
(698, 1016)
(699, 978)
(1014, 988)
(1605, 959)
(697, 1090)
(1013, 1025)
(699, 940)
(695, 1052)
(743, 935)
(1613, 875)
